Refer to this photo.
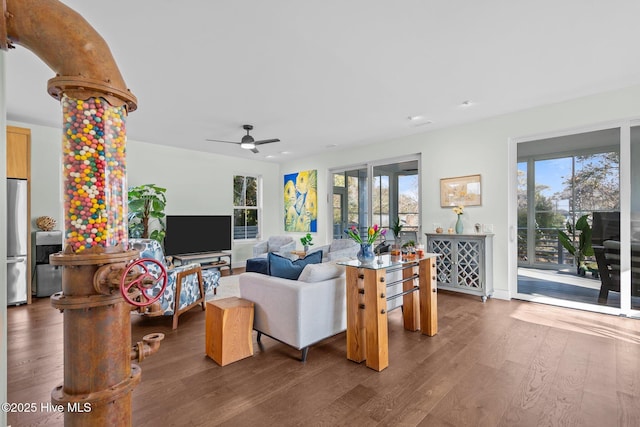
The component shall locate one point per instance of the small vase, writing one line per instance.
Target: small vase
(459, 226)
(365, 254)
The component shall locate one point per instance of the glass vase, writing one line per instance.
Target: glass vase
(459, 226)
(365, 254)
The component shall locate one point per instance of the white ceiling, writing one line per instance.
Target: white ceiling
(329, 74)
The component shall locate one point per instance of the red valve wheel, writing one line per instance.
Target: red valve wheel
(144, 282)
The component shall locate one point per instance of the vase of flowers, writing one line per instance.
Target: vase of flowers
(365, 254)
(459, 210)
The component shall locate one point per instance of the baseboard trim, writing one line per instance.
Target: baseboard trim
(501, 294)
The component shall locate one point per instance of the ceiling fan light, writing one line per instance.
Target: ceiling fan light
(247, 145)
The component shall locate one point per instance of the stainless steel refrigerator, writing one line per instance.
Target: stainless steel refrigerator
(17, 241)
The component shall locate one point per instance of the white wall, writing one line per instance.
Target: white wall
(202, 183)
(475, 148)
(197, 183)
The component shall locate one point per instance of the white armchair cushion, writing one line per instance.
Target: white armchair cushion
(324, 249)
(343, 249)
(277, 243)
(313, 273)
(340, 244)
(260, 248)
(339, 249)
(283, 245)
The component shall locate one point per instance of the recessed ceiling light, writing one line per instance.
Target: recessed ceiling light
(269, 156)
(414, 118)
(284, 152)
(466, 103)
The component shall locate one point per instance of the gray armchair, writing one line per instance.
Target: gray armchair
(338, 249)
(282, 245)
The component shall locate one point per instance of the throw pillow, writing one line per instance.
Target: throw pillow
(285, 268)
(257, 265)
(313, 273)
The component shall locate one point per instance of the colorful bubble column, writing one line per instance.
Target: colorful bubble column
(94, 163)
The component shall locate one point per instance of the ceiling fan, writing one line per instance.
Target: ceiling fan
(247, 142)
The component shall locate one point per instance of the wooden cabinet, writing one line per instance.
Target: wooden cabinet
(19, 166)
(466, 264)
(18, 152)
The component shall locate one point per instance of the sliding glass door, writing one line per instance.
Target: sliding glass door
(377, 194)
(634, 225)
(350, 207)
(572, 198)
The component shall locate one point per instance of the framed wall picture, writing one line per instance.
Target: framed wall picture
(300, 201)
(460, 191)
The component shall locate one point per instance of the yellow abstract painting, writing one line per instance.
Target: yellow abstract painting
(301, 201)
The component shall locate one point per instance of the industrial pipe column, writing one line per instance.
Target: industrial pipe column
(98, 374)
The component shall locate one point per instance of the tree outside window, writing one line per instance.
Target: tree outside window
(246, 211)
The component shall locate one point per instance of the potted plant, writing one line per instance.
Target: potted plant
(145, 202)
(582, 248)
(306, 241)
(396, 228)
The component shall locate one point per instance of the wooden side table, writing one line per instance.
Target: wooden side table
(367, 332)
(229, 323)
(300, 254)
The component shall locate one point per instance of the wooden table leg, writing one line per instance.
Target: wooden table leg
(356, 349)
(428, 297)
(375, 302)
(410, 302)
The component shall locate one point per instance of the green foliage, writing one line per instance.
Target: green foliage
(396, 227)
(582, 248)
(307, 240)
(145, 202)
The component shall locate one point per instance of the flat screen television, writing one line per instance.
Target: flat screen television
(188, 234)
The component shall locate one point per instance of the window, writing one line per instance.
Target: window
(391, 192)
(381, 200)
(246, 207)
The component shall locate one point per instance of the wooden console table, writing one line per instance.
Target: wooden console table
(367, 333)
(206, 259)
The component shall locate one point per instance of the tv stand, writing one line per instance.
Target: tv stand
(206, 259)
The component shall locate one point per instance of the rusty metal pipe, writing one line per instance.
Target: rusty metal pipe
(69, 45)
(97, 330)
(148, 346)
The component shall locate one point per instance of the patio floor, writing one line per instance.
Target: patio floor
(565, 284)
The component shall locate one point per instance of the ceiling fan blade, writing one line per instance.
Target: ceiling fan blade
(255, 150)
(219, 140)
(265, 141)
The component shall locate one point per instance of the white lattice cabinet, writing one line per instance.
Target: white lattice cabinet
(466, 262)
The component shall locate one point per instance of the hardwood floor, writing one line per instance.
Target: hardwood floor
(502, 363)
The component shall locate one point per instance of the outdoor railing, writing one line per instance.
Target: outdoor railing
(548, 248)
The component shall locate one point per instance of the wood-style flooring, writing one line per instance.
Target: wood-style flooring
(502, 363)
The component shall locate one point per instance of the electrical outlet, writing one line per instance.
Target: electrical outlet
(487, 228)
